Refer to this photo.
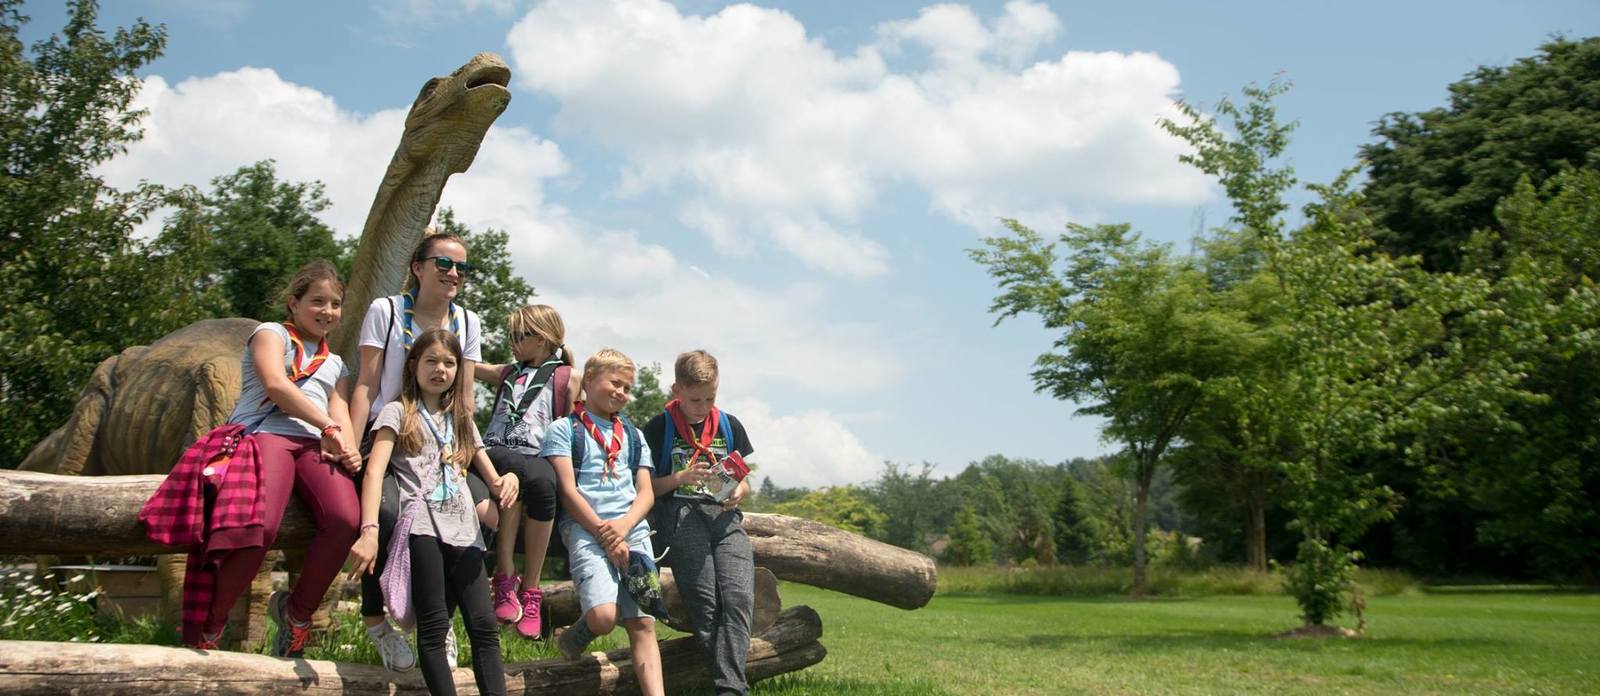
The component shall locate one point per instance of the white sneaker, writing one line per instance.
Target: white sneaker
(392, 647)
(450, 648)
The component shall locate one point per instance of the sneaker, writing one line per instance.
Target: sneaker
(567, 643)
(207, 642)
(292, 636)
(528, 625)
(450, 648)
(392, 647)
(506, 606)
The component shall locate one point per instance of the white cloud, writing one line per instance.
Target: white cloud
(805, 449)
(764, 128)
(613, 287)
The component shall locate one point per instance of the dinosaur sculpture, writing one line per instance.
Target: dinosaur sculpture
(144, 405)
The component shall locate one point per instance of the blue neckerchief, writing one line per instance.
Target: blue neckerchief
(408, 328)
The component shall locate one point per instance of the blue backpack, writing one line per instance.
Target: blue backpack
(664, 457)
(580, 443)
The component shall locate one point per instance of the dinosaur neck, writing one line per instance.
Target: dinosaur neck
(400, 212)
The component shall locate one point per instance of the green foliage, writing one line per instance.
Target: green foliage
(969, 545)
(1321, 579)
(79, 286)
(1436, 176)
(648, 398)
(258, 231)
(912, 505)
(845, 507)
(1074, 528)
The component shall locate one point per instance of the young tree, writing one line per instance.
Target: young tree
(79, 287)
(649, 399)
(1075, 531)
(1140, 337)
(845, 507)
(969, 545)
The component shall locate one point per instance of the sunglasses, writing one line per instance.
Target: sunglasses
(443, 263)
(517, 337)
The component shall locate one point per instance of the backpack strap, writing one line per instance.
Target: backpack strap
(558, 404)
(580, 443)
(540, 379)
(499, 391)
(664, 456)
(635, 444)
(727, 431)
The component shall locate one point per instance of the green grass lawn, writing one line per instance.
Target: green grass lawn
(1485, 641)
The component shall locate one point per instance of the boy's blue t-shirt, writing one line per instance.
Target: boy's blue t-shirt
(610, 497)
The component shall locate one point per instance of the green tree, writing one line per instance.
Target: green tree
(1436, 176)
(1074, 527)
(79, 286)
(845, 507)
(969, 545)
(912, 505)
(1017, 498)
(1140, 337)
(259, 230)
(648, 397)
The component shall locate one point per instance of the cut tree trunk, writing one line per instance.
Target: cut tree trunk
(30, 668)
(49, 513)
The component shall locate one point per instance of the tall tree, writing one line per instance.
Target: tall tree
(79, 287)
(1435, 176)
(1140, 337)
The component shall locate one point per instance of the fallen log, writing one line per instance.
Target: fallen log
(29, 668)
(75, 515)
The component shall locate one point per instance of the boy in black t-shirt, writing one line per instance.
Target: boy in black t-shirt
(710, 554)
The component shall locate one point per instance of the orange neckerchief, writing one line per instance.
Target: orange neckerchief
(295, 373)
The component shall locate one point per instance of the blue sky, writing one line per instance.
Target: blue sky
(793, 185)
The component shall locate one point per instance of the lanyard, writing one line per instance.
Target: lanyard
(409, 326)
(613, 448)
(295, 373)
(446, 442)
(708, 432)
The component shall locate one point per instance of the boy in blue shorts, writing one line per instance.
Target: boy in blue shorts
(603, 469)
(699, 520)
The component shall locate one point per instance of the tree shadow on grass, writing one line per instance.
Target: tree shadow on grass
(1190, 641)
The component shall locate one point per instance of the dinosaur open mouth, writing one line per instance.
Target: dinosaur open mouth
(483, 75)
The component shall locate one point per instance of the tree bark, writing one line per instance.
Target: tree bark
(1255, 534)
(48, 513)
(1141, 525)
(29, 668)
(561, 602)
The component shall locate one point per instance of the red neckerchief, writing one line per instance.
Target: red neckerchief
(295, 373)
(708, 432)
(613, 448)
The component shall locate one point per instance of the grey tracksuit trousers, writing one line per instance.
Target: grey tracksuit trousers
(714, 569)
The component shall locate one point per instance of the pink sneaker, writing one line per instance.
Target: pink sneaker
(528, 625)
(506, 606)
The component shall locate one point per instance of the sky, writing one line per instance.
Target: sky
(794, 186)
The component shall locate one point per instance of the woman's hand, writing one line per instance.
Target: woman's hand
(364, 553)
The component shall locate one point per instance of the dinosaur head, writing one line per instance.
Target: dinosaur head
(448, 120)
(443, 131)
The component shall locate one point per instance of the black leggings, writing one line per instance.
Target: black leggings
(388, 511)
(444, 577)
(536, 480)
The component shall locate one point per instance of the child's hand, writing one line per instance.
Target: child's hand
(611, 533)
(737, 496)
(618, 553)
(364, 553)
(698, 473)
(336, 448)
(506, 489)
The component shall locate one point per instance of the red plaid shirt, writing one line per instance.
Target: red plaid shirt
(222, 469)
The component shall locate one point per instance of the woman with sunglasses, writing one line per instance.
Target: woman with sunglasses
(439, 269)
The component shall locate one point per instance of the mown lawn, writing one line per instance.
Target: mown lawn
(1483, 641)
